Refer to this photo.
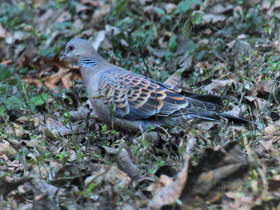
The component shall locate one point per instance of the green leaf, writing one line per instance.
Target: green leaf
(46, 52)
(172, 45)
(181, 151)
(272, 3)
(40, 99)
(13, 102)
(98, 97)
(91, 186)
(104, 129)
(186, 27)
(150, 127)
(159, 11)
(196, 18)
(21, 5)
(180, 73)
(2, 111)
(6, 73)
(179, 202)
(107, 91)
(120, 7)
(112, 109)
(185, 6)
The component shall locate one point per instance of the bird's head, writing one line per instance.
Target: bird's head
(78, 48)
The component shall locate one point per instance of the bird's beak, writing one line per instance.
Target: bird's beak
(63, 57)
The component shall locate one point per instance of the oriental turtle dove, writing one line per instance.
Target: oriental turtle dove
(134, 103)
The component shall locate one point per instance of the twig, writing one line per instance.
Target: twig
(147, 68)
(142, 56)
(272, 89)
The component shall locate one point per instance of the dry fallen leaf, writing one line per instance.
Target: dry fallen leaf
(32, 81)
(170, 7)
(98, 39)
(165, 180)
(276, 45)
(265, 87)
(109, 174)
(266, 146)
(6, 186)
(266, 5)
(175, 79)
(81, 113)
(173, 189)
(274, 183)
(51, 81)
(212, 18)
(45, 195)
(124, 161)
(270, 130)
(221, 8)
(259, 103)
(214, 168)
(218, 86)
(66, 81)
(2, 32)
(55, 129)
(101, 12)
(7, 149)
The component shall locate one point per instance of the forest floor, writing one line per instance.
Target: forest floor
(55, 154)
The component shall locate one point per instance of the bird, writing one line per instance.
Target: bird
(134, 103)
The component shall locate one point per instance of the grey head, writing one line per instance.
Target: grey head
(77, 49)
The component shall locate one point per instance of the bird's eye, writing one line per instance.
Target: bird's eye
(71, 47)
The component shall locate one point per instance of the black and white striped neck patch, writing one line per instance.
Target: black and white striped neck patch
(88, 62)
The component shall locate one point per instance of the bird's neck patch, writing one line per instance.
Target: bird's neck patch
(88, 62)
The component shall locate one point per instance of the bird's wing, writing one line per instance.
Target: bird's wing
(134, 97)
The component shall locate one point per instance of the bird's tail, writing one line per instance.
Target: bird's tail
(235, 119)
(217, 117)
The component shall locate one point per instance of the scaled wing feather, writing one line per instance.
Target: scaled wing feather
(136, 97)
